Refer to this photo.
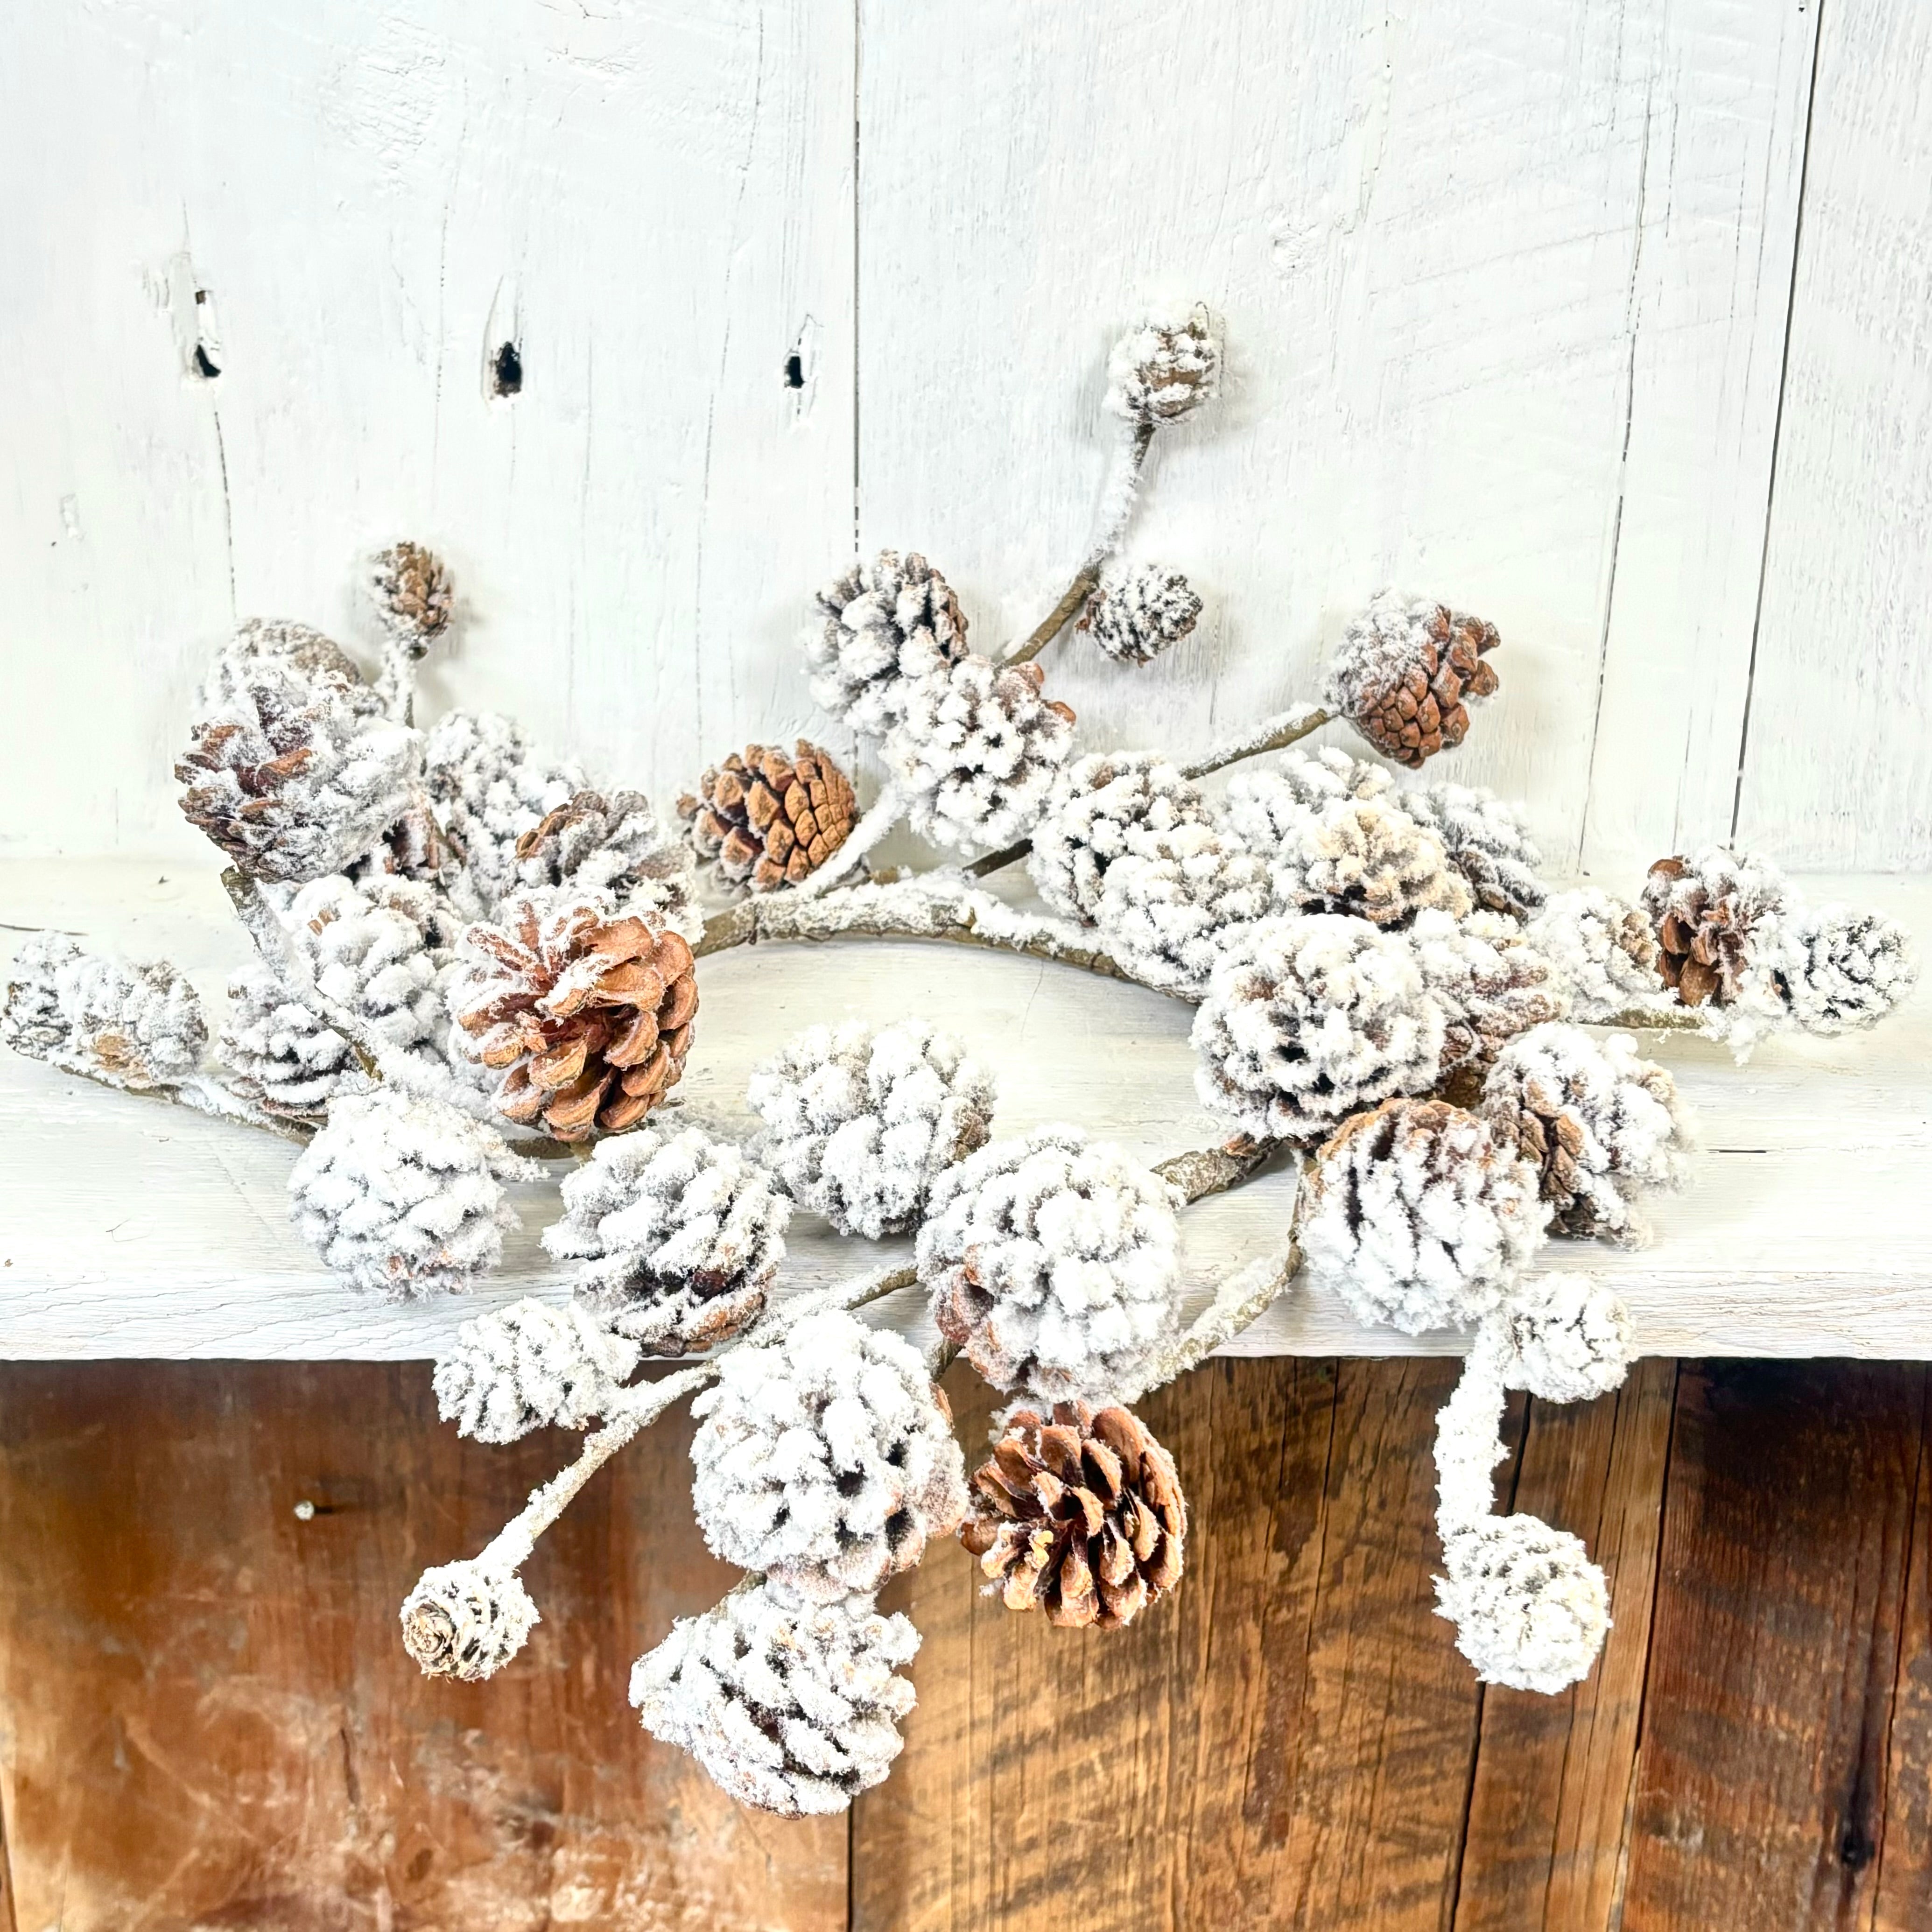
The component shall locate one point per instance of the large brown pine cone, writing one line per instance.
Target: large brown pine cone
(1081, 1516)
(1705, 911)
(1403, 672)
(769, 820)
(588, 1016)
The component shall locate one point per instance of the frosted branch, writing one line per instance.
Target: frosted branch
(1205, 1170)
(1271, 734)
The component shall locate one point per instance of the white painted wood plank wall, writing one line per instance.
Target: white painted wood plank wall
(1608, 321)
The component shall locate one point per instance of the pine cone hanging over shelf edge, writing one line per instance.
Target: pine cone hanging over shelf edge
(769, 820)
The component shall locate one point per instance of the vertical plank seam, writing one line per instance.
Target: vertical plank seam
(1777, 425)
(858, 58)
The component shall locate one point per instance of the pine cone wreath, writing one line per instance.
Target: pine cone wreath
(1602, 1125)
(1603, 951)
(1843, 970)
(1052, 1263)
(413, 595)
(1134, 614)
(1707, 913)
(1366, 858)
(677, 1238)
(138, 1026)
(1486, 842)
(887, 624)
(1175, 903)
(291, 781)
(976, 749)
(490, 791)
(770, 820)
(1406, 670)
(1102, 806)
(596, 841)
(791, 1706)
(1419, 1215)
(1080, 1515)
(585, 1013)
(1491, 980)
(530, 1366)
(1161, 371)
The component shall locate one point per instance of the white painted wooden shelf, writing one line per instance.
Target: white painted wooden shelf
(130, 1228)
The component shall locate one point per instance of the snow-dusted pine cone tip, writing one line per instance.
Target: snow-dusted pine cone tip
(1843, 970)
(859, 1121)
(598, 841)
(886, 625)
(413, 593)
(1419, 1216)
(1571, 1338)
(1405, 672)
(1492, 982)
(465, 1621)
(825, 1460)
(1710, 913)
(791, 1706)
(134, 1025)
(1103, 805)
(1310, 1019)
(530, 1366)
(1175, 903)
(1367, 858)
(1079, 1513)
(1163, 370)
(1137, 612)
(976, 750)
(769, 820)
(404, 1197)
(291, 780)
(1486, 842)
(1052, 1263)
(490, 790)
(1531, 1609)
(1601, 1125)
(1603, 951)
(586, 1013)
(677, 1237)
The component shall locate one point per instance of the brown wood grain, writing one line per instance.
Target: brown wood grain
(1763, 1774)
(1903, 1890)
(213, 1723)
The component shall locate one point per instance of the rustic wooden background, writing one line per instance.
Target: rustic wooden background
(213, 1724)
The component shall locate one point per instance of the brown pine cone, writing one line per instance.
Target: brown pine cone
(413, 594)
(1403, 671)
(1082, 1516)
(769, 820)
(588, 1016)
(1705, 911)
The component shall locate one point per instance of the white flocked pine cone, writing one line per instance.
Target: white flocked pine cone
(1486, 842)
(530, 1365)
(405, 1197)
(1367, 858)
(791, 1706)
(1604, 952)
(134, 1025)
(282, 1054)
(466, 1621)
(1174, 904)
(1267, 805)
(1843, 970)
(825, 1459)
(1138, 611)
(1312, 1018)
(1602, 1125)
(886, 625)
(1166, 368)
(491, 791)
(676, 1237)
(613, 842)
(297, 649)
(859, 1121)
(1531, 1609)
(1104, 805)
(1419, 1216)
(1571, 1338)
(1492, 982)
(976, 751)
(1051, 1261)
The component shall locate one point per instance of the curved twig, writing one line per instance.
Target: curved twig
(1272, 734)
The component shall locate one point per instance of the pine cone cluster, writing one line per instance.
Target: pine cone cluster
(1708, 912)
(1134, 614)
(1161, 371)
(1103, 806)
(888, 624)
(1080, 1515)
(768, 820)
(1405, 672)
(587, 1014)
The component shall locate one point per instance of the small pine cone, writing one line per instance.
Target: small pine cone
(1570, 1339)
(976, 751)
(530, 1366)
(283, 1055)
(1365, 858)
(316, 661)
(1161, 371)
(1175, 903)
(587, 1013)
(465, 1621)
(1052, 1263)
(1843, 970)
(405, 1197)
(1404, 672)
(413, 596)
(1418, 1215)
(1102, 806)
(1267, 807)
(138, 1026)
(791, 1706)
(678, 1238)
(596, 841)
(291, 781)
(1080, 1515)
(1487, 842)
(859, 1123)
(1531, 1609)
(1136, 614)
(887, 624)
(1603, 951)
(1601, 1125)
(768, 820)
(825, 1460)
(1709, 913)
(1492, 983)
(1310, 1019)
(491, 790)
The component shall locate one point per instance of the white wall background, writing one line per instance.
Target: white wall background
(1612, 322)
